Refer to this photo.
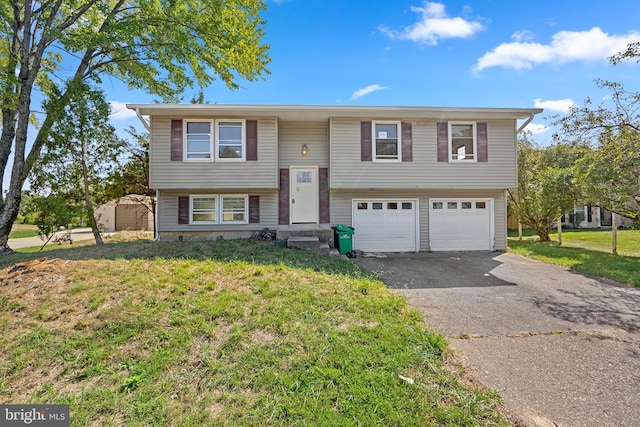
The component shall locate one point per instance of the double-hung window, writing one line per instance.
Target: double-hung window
(234, 209)
(387, 141)
(198, 139)
(230, 140)
(463, 141)
(219, 209)
(215, 140)
(204, 209)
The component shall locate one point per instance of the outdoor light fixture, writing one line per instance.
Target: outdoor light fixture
(304, 150)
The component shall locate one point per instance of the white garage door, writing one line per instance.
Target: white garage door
(460, 224)
(387, 225)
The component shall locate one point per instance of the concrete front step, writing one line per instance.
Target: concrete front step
(312, 243)
(307, 242)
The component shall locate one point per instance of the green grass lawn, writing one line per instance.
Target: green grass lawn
(228, 333)
(23, 230)
(586, 251)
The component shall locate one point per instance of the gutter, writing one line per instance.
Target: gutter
(146, 124)
(524, 125)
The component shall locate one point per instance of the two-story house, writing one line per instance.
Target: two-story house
(406, 178)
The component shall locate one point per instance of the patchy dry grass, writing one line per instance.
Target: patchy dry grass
(227, 333)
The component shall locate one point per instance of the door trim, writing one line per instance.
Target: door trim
(292, 182)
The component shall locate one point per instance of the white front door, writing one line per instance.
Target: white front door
(303, 188)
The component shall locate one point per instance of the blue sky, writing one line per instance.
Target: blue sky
(490, 53)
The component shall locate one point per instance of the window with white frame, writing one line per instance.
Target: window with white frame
(219, 209)
(234, 209)
(204, 209)
(463, 143)
(230, 140)
(198, 140)
(386, 141)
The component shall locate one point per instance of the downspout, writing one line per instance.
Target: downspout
(145, 123)
(155, 223)
(524, 125)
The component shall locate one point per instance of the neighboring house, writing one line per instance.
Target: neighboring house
(127, 213)
(591, 216)
(406, 178)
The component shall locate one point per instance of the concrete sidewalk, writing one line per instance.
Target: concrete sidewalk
(76, 235)
(562, 349)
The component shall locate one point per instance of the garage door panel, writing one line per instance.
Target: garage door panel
(460, 225)
(385, 225)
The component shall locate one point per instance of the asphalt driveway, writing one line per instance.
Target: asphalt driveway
(562, 349)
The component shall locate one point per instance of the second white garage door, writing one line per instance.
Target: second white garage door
(388, 225)
(460, 224)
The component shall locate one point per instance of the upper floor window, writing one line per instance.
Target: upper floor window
(463, 143)
(386, 141)
(228, 142)
(198, 140)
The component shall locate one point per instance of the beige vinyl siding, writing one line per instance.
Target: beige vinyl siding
(293, 135)
(348, 171)
(168, 211)
(167, 174)
(341, 208)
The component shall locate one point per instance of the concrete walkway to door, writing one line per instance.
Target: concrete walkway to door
(562, 349)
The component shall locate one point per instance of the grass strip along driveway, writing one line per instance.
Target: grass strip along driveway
(229, 333)
(587, 252)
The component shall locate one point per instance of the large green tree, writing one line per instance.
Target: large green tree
(610, 171)
(546, 185)
(157, 45)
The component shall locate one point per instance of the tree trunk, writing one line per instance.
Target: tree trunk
(560, 229)
(87, 200)
(614, 234)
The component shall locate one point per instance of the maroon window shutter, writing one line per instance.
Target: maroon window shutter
(407, 142)
(183, 210)
(443, 142)
(323, 194)
(365, 141)
(252, 140)
(482, 142)
(176, 140)
(283, 198)
(254, 209)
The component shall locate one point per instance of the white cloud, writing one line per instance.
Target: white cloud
(119, 111)
(559, 105)
(535, 128)
(366, 91)
(565, 46)
(434, 25)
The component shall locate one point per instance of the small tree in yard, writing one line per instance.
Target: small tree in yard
(51, 213)
(546, 186)
(82, 150)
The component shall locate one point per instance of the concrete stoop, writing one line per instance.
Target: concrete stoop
(312, 243)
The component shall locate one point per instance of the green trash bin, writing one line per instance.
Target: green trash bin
(342, 238)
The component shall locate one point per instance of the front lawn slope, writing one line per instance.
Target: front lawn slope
(222, 333)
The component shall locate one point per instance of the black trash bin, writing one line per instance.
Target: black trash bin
(342, 238)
